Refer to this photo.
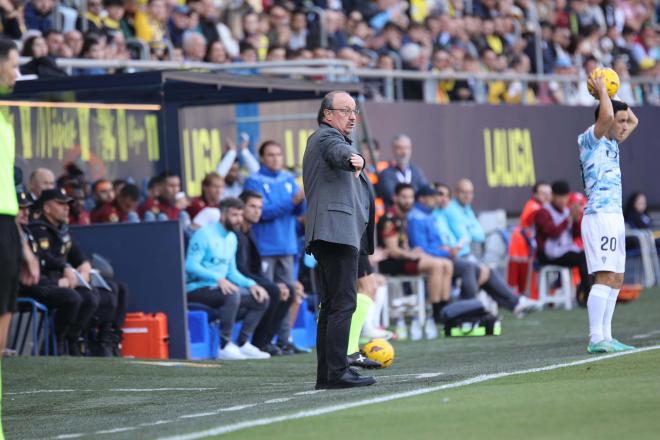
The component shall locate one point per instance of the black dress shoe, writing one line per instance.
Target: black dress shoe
(350, 379)
(271, 349)
(358, 359)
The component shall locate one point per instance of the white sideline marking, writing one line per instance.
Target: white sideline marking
(280, 400)
(17, 393)
(112, 431)
(149, 390)
(308, 393)
(386, 398)
(156, 423)
(428, 375)
(193, 416)
(63, 436)
(646, 335)
(238, 407)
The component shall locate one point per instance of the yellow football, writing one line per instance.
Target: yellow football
(380, 350)
(611, 81)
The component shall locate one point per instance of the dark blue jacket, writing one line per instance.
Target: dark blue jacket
(423, 232)
(275, 234)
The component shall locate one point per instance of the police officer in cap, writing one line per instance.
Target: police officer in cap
(54, 294)
(66, 266)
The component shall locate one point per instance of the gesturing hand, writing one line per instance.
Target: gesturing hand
(357, 162)
(258, 293)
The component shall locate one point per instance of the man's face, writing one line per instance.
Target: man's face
(9, 72)
(94, 6)
(273, 158)
(428, 201)
(213, 191)
(104, 192)
(465, 193)
(23, 216)
(342, 116)
(543, 194)
(55, 42)
(56, 212)
(560, 201)
(232, 219)
(620, 127)
(443, 198)
(126, 204)
(252, 211)
(43, 179)
(405, 200)
(172, 186)
(402, 151)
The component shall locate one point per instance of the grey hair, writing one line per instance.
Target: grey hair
(189, 36)
(401, 137)
(326, 104)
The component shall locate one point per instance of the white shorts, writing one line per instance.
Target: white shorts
(604, 236)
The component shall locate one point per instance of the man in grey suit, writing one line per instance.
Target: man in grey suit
(339, 226)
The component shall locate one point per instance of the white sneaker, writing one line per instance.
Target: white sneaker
(415, 330)
(524, 306)
(431, 329)
(231, 353)
(369, 332)
(251, 352)
(401, 330)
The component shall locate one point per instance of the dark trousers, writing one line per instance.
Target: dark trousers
(272, 320)
(66, 301)
(227, 306)
(495, 286)
(10, 263)
(337, 271)
(572, 259)
(250, 312)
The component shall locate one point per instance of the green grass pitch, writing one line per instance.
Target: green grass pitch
(126, 399)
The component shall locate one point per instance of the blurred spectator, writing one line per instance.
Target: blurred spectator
(57, 48)
(283, 202)
(9, 18)
(400, 170)
(637, 213)
(230, 166)
(212, 188)
(114, 22)
(150, 24)
(92, 22)
(102, 193)
(178, 23)
(216, 53)
(194, 46)
(298, 38)
(122, 209)
(164, 205)
(461, 218)
(35, 47)
(77, 213)
(557, 226)
(74, 40)
(39, 15)
(40, 179)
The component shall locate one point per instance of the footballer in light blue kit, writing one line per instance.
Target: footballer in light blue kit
(603, 230)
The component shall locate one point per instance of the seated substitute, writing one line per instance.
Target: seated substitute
(425, 231)
(249, 263)
(557, 227)
(404, 259)
(214, 280)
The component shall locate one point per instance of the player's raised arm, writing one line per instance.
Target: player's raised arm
(606, 112)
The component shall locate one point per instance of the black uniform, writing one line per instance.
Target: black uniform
(56, 251)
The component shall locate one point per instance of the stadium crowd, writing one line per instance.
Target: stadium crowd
(244, 253)
(420, 35)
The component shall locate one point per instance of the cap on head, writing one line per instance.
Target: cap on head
(24, 199)
(56, 194)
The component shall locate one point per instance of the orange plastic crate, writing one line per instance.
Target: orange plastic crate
(629, 292)
(145, 336)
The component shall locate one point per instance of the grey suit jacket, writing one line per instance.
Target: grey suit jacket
(340, 207)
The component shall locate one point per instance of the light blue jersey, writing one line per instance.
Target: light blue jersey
(601, 174)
